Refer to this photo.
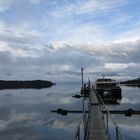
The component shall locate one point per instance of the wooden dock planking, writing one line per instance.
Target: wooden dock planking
(96, 126)
(93, 98)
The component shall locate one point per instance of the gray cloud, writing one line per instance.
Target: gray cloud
(53, 60)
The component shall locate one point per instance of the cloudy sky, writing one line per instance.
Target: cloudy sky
(53, 39)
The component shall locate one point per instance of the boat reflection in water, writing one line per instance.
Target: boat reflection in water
(109, 90)
(111, 101)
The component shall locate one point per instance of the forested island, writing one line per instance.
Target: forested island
(36, 84)
(131, 82)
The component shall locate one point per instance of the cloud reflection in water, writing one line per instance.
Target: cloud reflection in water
(26, 113)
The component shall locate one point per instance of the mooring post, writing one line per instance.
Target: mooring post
(82, 87)
(84, 113)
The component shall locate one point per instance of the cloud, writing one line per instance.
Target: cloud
(101, 5)
(66, 60)
(88, 7)
(90, 21)
(19, 34)
(118, 66)
(66, 37)
(17, 118)
(18, 40)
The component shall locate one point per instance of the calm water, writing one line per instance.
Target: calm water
(25, 114)
(130, 126)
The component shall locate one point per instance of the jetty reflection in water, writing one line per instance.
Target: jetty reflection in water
(25, 113)
(111, 101)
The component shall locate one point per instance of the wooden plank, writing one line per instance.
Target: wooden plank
(93, 98)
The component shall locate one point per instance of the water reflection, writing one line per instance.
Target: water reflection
(109, 98)
(130, 126)
(25, 113)
(111, 101)
(132, 85)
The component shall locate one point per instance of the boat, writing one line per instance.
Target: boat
(108, 88)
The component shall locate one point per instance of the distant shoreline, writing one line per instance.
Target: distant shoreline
(16, 84)
(131, 83)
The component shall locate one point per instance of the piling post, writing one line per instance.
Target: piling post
(82, 86)
(84, 113)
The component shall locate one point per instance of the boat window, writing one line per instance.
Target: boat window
(106, 85)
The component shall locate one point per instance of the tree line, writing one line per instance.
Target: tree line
(132, 82)
(36, 84)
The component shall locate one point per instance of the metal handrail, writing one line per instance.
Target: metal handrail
(108, 115)
(77, 134)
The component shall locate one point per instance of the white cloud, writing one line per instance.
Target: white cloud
(118, 66)
(19, 40)
(20, 31)
(100, 6)
(88, 7)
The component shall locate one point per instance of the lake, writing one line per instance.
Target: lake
(25, 113)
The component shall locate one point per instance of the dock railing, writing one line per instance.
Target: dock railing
(107, 117)
(81, 126)
(77, 134)
(83, 120)
(81, 131)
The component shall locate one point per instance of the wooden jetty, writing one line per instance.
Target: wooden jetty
(96, 126)
(96, 129)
